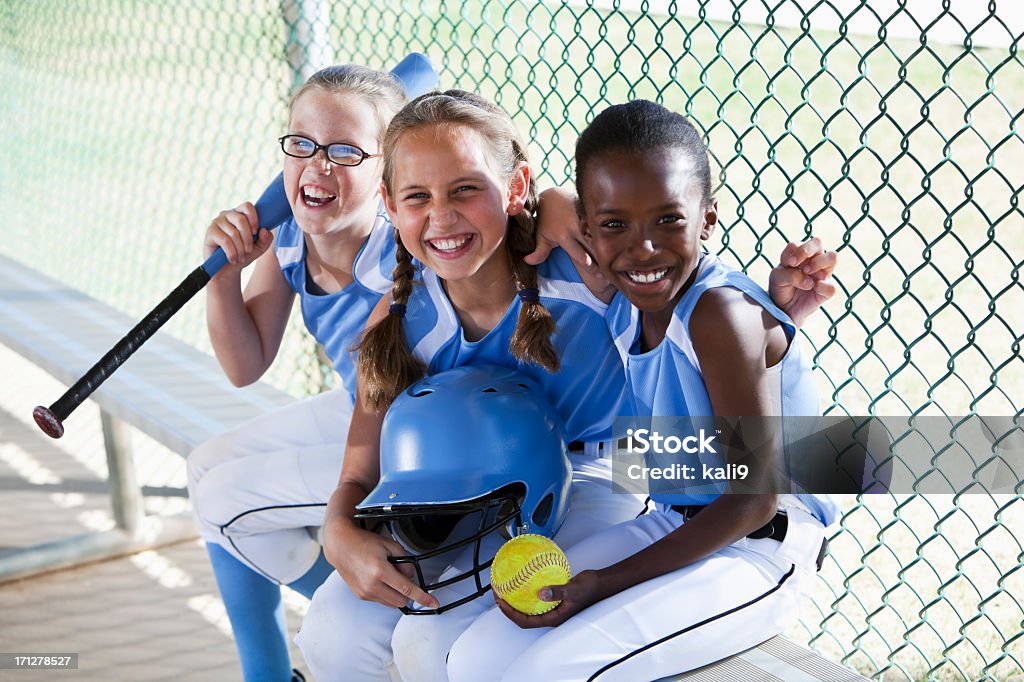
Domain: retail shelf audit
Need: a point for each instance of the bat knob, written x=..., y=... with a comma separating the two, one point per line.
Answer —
x=48, y=422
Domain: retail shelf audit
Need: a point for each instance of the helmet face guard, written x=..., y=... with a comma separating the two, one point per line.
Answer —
x=466, y=455
x=499, y=514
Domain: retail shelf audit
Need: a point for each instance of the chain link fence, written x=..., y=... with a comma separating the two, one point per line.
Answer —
x=890, y=129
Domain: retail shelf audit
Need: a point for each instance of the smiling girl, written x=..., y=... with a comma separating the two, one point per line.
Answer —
x=703, y=575
x=459, y=189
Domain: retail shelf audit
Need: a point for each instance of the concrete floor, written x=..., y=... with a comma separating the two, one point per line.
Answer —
x=150, y=616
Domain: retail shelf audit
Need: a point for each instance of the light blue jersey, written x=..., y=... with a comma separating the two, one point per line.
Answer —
x=666, y=381
x=337, y=320
x=588, y=389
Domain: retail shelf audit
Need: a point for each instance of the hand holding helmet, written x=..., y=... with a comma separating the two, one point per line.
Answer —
x=467, y=455
x=371, y=576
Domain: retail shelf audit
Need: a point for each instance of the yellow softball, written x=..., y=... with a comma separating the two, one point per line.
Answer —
x=525, y=564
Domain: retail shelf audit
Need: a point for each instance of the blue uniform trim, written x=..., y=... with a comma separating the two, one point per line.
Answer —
x=336, y=320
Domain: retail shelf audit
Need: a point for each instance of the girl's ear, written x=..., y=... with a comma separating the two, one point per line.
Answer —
x=519, y=189
x=389, y=203
x=710, y=219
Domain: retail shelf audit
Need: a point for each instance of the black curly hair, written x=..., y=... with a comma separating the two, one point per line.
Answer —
x=641, y=127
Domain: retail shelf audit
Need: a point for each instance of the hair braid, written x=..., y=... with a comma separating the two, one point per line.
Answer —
x=386, y=363
x=531, y=341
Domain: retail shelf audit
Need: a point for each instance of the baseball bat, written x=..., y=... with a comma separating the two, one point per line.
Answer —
x=417, y=76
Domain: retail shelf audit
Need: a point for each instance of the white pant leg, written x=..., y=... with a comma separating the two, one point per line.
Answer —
x=421, y=643
x=345, y=638
x=593, y=506
x=723, y=604
x=258, y=488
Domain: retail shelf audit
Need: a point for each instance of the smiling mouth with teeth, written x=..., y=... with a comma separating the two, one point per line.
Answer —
x=648, y=277
x=449, y=245
x=314, y=196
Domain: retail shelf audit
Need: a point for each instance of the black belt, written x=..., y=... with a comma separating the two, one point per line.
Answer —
x=774, y=529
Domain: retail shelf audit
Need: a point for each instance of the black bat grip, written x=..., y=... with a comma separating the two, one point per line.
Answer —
x=50, y=420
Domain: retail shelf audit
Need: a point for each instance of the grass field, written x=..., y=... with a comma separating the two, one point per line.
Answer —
x=127, y=126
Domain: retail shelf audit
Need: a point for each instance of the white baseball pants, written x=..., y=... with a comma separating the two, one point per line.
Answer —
x=726, y=603
x=260, y=490
x=345, y=638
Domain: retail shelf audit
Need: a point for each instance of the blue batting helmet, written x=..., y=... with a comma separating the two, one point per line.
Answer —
x=478, y=448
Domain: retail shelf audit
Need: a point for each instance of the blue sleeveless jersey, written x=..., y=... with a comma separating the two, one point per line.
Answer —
x=337, y=320
x=589, y=388
x=666, y=381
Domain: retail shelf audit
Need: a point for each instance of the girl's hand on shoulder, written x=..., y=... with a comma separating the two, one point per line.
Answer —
x=233, y=231
x=583, y=590
x=362, y=562
x=558, y=225
x=802, y=281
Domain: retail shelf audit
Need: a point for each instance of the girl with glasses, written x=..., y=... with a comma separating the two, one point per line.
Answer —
x=259, y=491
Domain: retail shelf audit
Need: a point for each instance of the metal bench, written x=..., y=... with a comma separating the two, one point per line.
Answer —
x=777, y=660
x=168, y=390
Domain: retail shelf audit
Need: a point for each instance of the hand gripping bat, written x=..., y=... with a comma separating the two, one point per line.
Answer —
x=417, y=75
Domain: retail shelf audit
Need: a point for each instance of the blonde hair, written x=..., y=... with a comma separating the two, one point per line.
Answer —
x=386, y=363
x=381, y=90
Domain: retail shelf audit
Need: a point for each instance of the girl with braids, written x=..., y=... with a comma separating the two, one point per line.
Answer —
x=702, y=575
x=459, y=190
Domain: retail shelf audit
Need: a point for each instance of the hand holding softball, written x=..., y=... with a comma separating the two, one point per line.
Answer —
x=564, y=601
x=534, y=587
x=525, y=565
